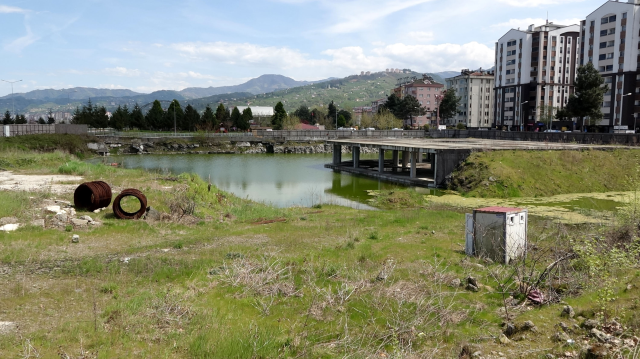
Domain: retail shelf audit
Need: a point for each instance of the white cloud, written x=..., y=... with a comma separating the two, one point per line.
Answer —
x=233, y=53
x=19, y=44
x=422, y=36
x=122, y=71
x=4, y=9
x=536, y=3
x=438, y=57
x=523, y=24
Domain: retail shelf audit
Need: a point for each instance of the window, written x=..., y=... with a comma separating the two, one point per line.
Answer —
x=606, y=104
x=602, y=57
x=511, y=43
x=623, y=28
x=593, y=23
x=612, y=18
x=511, y=52
x=609, y=68
x=610, y=55
x=604, y=20
x=568, y=40
x=511, y=62
x=608, y=80
x=610, y=43
x=603, y=45
x=603, y=32
x=624, y=15
x=561, y=39
x=612, y=31
x=621, y=53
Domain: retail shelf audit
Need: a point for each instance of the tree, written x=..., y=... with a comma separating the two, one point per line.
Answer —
x=101, y=120
x=347, y=116
x=589, y=95
x=449, y=104
x=318, y=116
x=366, y=121
x=290, y=122
x=7, y=120
x=410, y=107
x=546, y=114
x=332, y=113
x=174, y=117
x=385, y=120
x=191, y=118
x=562, y=114
x=393, y=104
x=51, y=120
x=136, y=118
x=222, y=115
x=155, y=116
x=245, y=119
x=279, y=116
x=304, y=114
x=120, y=118
x=20, y=120
x=208, y=119
x=41, y=121
x=235, y=117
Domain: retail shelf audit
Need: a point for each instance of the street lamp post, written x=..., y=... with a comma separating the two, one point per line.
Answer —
x=13, y=109
x=521, y=121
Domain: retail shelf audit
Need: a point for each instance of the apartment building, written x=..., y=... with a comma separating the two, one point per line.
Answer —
x=534, y=68
x=475, y=89
x=428, y=92
x=611, y=42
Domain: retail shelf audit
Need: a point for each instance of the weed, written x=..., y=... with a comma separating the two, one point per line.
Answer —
x=373, y=235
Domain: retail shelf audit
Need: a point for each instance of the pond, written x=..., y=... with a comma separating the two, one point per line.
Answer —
x=282, y=180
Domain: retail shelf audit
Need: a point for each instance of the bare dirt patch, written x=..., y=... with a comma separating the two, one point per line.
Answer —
x=50, y=183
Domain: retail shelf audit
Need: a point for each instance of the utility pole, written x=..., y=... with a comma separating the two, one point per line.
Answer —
x=13, y=109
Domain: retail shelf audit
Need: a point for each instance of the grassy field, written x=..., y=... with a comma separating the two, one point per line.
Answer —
x=504, y=174
x=321, y=282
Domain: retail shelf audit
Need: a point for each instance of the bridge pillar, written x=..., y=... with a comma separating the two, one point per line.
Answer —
x=414, y=160
x=337, y=154
x=355, y=154
x=405, y=159
x=394, y=161
x=381, y=161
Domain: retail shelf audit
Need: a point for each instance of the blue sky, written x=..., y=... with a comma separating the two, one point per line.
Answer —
x=152, y=45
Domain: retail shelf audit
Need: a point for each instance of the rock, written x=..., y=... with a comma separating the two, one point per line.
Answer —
x=492, y=179
x=79, y=222
x=38, y=223
x=71, y=212
x=243, y=144
x=597, y=351
x=8, y=327
x=9, y=227
x=62, y=217
x=560, y=337
x=75, y=239
x=152, y=214
x=8, y=220
x=528, y=325
x=476, y=354
x=550, y=356
x=97, y=210
x=600, y=336
x=565, y=328
x=472, y=281
x=503, y=339
x=53, y=209
x=63, y=203
x=87, y=218
x=590, y=324
x=472, y=288
x=456, y=282
x=510, y=330
x=568, y=312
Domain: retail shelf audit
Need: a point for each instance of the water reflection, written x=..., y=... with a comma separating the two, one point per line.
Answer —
x=282, y=180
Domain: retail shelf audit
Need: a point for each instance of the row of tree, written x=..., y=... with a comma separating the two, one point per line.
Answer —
x=157, y=118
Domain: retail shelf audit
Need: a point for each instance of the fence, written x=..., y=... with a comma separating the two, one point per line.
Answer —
x=137, y=134
x=567, y=137
x=36, y=129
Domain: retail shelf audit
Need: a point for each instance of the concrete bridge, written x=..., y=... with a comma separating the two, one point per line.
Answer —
x=426, y=162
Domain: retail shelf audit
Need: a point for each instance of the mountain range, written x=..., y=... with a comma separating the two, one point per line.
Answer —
x=261, y=89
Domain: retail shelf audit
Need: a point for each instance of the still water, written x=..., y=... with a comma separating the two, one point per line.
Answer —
x=283, y=180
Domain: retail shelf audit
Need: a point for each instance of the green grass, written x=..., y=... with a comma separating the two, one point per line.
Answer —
x=334, y=282
x=506, y=174
x=46, y=143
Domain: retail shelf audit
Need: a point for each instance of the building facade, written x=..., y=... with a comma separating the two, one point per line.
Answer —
x=427, y=91
x=611, y=42
x=475, y=90
x=535, y=71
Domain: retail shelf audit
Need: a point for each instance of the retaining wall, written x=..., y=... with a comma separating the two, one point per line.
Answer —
x=36, y=129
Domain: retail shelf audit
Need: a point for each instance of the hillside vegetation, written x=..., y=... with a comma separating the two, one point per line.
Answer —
x=545, y=173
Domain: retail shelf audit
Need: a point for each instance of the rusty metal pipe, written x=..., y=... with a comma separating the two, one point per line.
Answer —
x=92, y=195
x=130, y=192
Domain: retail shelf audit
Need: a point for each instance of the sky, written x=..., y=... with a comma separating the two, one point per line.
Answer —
x=146, y=45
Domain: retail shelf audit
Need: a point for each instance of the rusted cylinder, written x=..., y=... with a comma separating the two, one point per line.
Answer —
x=130, y=192
x=92, y=195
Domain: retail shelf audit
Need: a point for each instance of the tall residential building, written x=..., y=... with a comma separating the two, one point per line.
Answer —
x=425, y=91
x=475, y=89
x=534, y=68
x=611, y=42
